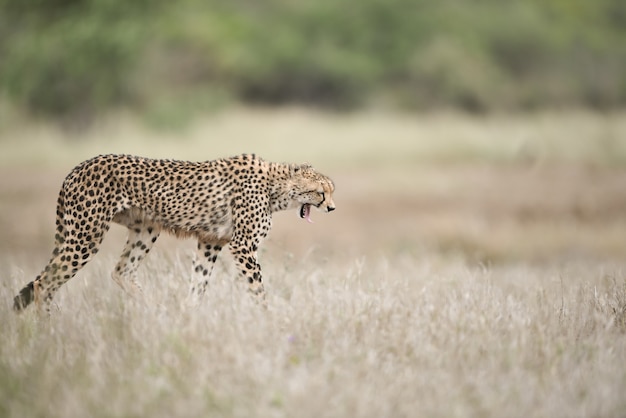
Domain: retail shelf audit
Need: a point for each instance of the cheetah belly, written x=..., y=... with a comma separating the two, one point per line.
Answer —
x=216, y=226
x=221, y=232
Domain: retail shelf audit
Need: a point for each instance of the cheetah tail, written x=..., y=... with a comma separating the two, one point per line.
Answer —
x=24, y=298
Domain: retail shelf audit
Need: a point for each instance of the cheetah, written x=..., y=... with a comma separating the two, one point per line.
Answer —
x=225, y=201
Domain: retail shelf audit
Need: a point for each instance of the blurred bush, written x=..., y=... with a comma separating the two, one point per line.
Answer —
x=71, y=57
x=79, y=57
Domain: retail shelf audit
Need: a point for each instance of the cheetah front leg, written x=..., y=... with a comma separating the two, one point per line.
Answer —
x=203, y=264
x=245, y=254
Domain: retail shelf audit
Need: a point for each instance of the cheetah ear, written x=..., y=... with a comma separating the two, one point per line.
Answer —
x=302, y=167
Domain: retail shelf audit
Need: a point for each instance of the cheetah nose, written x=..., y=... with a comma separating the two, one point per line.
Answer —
x=330, y=208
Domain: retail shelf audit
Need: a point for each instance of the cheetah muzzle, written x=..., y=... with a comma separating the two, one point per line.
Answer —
x=222, y=202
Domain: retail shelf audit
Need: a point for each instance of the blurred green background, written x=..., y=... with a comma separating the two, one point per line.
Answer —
x=76, y=59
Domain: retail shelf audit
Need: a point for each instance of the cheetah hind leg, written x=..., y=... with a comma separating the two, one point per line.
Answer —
x=66, y=261
x=141, y=238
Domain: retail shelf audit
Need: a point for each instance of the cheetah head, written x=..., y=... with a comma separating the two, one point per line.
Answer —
x=310, y=188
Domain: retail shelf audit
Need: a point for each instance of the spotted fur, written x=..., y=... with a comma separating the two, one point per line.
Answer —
x=226, y=201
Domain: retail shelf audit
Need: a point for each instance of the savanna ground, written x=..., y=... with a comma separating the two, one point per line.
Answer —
x=473, y=267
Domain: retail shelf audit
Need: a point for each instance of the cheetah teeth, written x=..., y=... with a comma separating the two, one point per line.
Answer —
x=305, y=212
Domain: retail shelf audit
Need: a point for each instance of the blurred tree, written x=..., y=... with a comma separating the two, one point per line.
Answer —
x=75, y=58
x=71, y=58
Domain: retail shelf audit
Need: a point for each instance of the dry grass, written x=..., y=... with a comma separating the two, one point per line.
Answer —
x=374, y=140
x=474, y=267
x=368, y=337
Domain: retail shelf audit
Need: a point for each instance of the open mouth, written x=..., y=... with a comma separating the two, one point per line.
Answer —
x=305, y=212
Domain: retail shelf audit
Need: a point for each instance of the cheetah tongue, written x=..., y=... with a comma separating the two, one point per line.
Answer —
x=305, y=213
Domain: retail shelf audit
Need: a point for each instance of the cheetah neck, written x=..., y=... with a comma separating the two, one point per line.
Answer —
x=280, y=176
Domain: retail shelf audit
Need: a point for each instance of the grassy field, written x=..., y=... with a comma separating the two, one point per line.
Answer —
x=473, y=267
